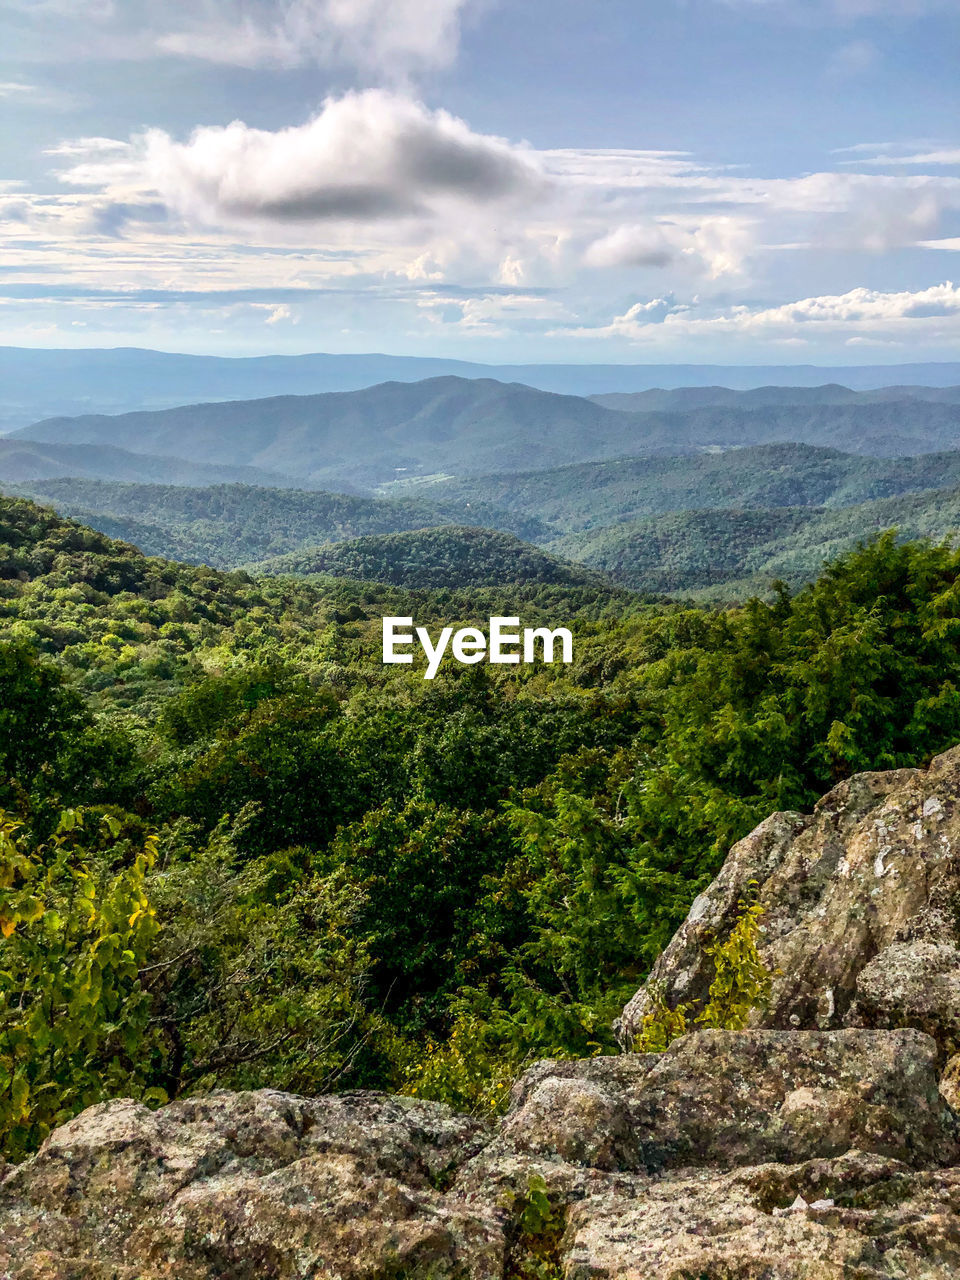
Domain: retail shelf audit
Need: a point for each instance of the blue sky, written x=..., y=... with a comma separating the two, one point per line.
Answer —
x=733, y=181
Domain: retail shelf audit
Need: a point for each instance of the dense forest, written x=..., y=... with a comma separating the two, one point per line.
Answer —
x=593, y=495
x=236, y=850
x=732, y=553
x=449, y=556
x=229, y=525
x=727, y=524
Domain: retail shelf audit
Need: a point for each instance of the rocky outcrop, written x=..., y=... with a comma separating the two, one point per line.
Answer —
x=653, y=1164
x=861, y=905
x=821, y=1144
x=253, y=1186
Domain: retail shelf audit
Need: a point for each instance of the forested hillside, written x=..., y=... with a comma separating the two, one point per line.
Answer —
x=746, y=549
x=446, y=557
x=594, y=494
x=367, y=437
x=301, y=869
x=26, y=460
x=230, y=525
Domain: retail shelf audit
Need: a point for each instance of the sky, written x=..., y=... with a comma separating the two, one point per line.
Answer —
x=649, y=181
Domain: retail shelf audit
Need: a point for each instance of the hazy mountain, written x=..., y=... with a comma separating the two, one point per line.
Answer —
x=23, y=460
x=461, y=426
x=443, y=424
x=683, y=399
x=38, y=384
x=228, y=525
x=742, y=550
x=594, y=494
x=450, y=556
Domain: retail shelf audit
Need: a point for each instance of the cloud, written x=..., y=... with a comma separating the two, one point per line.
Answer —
x=21, y=92
x=276, y=314
x=879, y=155
x=387, y=36
x=862, y=305
x=859, y=316
x=366, y=157
x=643, y=245
x=716, y=245
x=391, y=38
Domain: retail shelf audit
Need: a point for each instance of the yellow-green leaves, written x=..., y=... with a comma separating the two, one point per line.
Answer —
x=76, y=929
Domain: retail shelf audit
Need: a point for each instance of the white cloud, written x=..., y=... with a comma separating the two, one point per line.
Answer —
x=275, y=314
x=717, y=245
x=390, y=38
x=366, y=157
x=387, y=36
x=861, y=306
x=858, y=316
x=946, y=156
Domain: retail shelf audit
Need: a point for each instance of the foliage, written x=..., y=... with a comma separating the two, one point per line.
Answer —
x=468, y=1070
x=232, y=524
x=365, y=879
x=76, y=925
x=452, y=556
x=257, y=979
x=539, y=1222
x=741, y=984
x=660, y=1025
x=742, y=981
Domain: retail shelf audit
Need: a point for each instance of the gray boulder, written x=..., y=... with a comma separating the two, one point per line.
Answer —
x=875, y=867
x=724, y=1099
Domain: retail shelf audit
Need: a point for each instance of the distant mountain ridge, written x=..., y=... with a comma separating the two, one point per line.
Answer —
x=473, y=426
x=369, y=436
x=683, y=399
x=39, y=383
x=23, y=460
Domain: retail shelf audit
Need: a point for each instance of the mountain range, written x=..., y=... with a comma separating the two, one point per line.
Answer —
x=228, y=525
x=475, y=482
x=459, y=427
x=594, y=494
x=36, y=383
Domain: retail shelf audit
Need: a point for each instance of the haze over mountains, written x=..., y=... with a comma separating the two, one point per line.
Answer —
x=37, y=384
x=475, y=481
x=458, y=426
x=27, y=460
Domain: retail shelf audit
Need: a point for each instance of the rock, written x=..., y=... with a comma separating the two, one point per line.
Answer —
x=950, y=1083
x=254, y=1186
x=883, y=1223
x=723, y=1099
x=912, y=984
x=876, y=867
